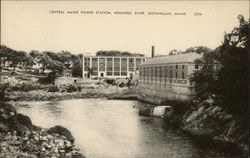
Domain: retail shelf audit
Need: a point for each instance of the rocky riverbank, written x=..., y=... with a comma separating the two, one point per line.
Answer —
x=43, y=95
x=20, y=138
x=208, y=125
x=30, y=91
x=213, y=124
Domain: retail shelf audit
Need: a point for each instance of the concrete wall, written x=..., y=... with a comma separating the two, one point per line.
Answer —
x=168, y=89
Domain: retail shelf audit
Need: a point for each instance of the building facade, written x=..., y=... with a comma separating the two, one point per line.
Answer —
x=167, y=77
x=111, y=66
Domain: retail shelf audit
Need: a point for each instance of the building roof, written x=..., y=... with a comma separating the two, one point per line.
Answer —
x=179, y=58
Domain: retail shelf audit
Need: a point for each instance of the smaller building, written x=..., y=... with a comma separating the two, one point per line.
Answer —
x=167, y=77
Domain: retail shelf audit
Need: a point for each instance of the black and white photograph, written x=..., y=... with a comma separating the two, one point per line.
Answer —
x=124, y=79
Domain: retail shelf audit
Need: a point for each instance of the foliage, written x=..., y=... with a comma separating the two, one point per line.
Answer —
x=196, y=49
x=73, y=88
x=77, y=68
x=26, y=86
x=4, y=88
x=116, y=53
x=232, y=78
x=228, y=85
x=55, y=66
x=53, y=88
x=205, y=79
x=174, y=52
x=50, y=79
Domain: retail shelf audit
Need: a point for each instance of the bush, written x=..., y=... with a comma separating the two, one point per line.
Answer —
x=73, y=88
x=26, y=87
x=50, y=79
x=53, y=88
x=4, y=88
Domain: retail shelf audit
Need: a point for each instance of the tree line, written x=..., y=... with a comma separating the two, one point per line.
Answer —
x=55, y=61
x=116, y=53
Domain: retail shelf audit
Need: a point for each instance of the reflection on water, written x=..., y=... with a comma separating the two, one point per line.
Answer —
x=113, y=129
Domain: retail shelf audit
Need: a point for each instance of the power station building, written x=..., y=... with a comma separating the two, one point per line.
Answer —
x=167, y=77
x=111, y=66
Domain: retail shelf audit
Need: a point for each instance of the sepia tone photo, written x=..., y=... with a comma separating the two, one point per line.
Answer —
x=124, y=79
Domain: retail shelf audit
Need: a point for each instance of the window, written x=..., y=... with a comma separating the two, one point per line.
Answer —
x=196, y=66
x=116, y=73
x=124, y=73
x=109, y=73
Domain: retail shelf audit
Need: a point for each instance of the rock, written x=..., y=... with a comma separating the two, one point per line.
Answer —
x=68, y=144
x=25, y=138
x=62, y=131
x=68, y=155
x=145, y=111
x=42, y=148
x=3, y=127
x=195, y=114
x=20, y=123
x=62, y=151
x=227, y=117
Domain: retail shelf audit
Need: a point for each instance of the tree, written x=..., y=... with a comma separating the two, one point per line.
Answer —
x=28, y=61
x=77, y=68
x=197, y=49
x=205, y=79
x=229, y=87
x=174, y=52
x=55, y=66
x=232, y=78
x=17, y=57
x=6, y=54
x=116, y=53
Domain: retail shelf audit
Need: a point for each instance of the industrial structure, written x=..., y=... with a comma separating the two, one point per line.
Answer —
x=167, y=77
x=111, y=66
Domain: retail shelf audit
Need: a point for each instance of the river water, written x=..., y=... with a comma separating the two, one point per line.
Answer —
x=113, y=129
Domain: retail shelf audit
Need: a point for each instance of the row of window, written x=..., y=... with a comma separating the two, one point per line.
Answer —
x=110, y=73
x=154, y=72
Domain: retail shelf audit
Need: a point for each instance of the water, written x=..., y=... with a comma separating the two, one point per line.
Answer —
x=113, y=129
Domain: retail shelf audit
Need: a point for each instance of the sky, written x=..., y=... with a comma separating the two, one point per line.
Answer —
x=30, y=25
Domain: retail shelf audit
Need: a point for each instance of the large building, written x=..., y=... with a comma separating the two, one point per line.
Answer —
x=111, y=66
x=167, y=77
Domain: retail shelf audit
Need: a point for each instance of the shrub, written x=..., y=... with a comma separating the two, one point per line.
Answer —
x=53, y=88
x=50, y=79
x=27, y=86
x=4, y=88
x=72, y=88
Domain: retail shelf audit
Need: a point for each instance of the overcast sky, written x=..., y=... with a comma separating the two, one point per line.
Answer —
x=28, y=25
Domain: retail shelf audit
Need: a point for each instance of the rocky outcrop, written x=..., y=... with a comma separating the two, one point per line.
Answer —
x=20, y=138
x=62, y=131
x=212, y=123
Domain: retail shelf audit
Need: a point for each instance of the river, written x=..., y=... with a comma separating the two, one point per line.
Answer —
x=113, y=129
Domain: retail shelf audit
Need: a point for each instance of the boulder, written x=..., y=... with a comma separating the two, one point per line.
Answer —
x=19, y=123
x=62, y=131
x=146, y=111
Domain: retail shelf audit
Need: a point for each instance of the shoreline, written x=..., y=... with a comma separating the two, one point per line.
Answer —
x=19, y=137
x=193, y=128
x=208, y=125
x=43, y=95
